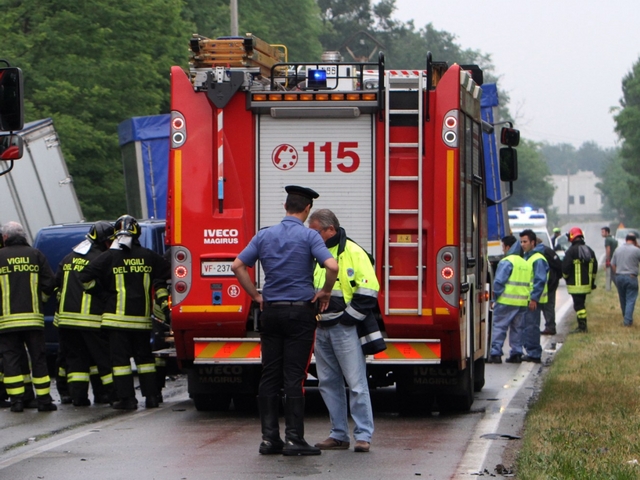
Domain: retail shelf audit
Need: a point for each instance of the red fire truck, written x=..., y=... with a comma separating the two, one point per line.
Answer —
x=397, y=155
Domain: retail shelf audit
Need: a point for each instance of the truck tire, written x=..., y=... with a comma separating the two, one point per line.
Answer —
x=212, y=403
x=478, y=375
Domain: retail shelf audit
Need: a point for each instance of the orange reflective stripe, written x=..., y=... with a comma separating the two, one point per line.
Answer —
x=409, y=351
x=227, y=350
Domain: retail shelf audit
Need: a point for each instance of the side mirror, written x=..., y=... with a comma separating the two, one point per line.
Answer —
x=510, y=137
x=11, y=99
x=508, y=164
x=11, y=147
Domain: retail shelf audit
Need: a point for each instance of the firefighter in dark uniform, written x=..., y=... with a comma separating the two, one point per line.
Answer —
x=26, y=281
x=579, y=269
x=79, y=317
x=128, y=274
x=288, y=252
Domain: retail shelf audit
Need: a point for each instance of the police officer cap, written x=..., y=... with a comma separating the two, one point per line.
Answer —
x=305, y=192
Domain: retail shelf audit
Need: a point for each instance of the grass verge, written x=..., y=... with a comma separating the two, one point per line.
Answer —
x=585, y=423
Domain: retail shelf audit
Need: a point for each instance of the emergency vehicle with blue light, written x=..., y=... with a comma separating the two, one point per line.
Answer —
x=396, y=154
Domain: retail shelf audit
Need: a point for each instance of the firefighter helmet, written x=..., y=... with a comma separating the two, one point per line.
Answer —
x=101, y=232
x=574, y=233
x=556, y=230
x=127, y=225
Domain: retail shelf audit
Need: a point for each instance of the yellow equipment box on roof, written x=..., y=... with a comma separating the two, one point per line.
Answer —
x=248, y=51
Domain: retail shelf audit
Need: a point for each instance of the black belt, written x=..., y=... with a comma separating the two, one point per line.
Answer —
x=327, y=323
x=290, y=304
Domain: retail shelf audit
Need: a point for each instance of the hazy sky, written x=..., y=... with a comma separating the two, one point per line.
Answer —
x=561, y=61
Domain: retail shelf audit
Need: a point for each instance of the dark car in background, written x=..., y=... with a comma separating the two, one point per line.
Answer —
x=56, y=241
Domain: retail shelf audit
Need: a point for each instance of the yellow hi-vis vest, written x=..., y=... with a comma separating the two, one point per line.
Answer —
x=545, y=292
x=518, y=287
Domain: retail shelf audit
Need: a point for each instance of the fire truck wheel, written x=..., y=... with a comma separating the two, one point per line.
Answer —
x=212, y=403
x=461, y=401
x=478, y=375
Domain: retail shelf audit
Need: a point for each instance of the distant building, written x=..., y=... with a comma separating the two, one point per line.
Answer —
x=577, y=194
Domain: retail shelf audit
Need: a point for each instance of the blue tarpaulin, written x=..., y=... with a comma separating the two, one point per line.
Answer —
x=496, y=219
x=151, y=135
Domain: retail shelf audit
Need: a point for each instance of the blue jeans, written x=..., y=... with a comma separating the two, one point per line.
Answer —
x=507, y=317
x=531, y=332
x=628, y=293
x=339, y=357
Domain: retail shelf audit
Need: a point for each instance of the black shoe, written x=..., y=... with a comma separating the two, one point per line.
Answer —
x=81, y=402
x=494, y=359
x=271, y=447
x=517, y=358
x=298, y=447
x=126, y=404
x=527, y=358
x=47, y=407
x=548, y=331
x=151, y=402
x=66, y=400
x=17, y=407
x=4, y=403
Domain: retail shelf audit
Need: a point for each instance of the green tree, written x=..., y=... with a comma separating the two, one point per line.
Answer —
x=89, y=65
x=617, y=198
x=564, y=158
x=627, y=121
x=533, y=186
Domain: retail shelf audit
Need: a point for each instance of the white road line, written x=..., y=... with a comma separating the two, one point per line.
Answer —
x=476, y=453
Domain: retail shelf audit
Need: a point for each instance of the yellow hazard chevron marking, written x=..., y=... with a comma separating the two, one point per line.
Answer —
x=409, y=351
x=211, y=309
x=228, y=349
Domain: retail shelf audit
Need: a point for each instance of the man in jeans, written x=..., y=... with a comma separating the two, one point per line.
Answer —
x=625, y=265
x=338, y=351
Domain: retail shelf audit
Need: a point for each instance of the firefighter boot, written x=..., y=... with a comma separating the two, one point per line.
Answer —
x=271, y=441
x=79, y=392
x=17, y=403
x=294, y=442
x=582, y=326
x=45, y=403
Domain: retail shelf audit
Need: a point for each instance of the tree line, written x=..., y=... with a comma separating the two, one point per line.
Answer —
x=90, y=65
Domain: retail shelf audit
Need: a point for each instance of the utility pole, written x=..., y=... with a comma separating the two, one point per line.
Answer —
x=233, y=6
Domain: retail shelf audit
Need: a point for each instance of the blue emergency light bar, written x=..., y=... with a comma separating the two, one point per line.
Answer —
x=316, y=79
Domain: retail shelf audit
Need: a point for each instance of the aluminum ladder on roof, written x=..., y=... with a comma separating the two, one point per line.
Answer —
x=413, y=82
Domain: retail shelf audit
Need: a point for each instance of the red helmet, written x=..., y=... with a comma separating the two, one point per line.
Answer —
x=574, y=233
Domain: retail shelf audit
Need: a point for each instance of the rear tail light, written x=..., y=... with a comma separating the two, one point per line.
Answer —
x=181, y=273
x=448, y=277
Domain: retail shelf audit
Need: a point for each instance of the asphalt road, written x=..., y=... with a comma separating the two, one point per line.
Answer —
x=178, y=442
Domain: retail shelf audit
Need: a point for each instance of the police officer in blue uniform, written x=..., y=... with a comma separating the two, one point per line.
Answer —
x=288, y=253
